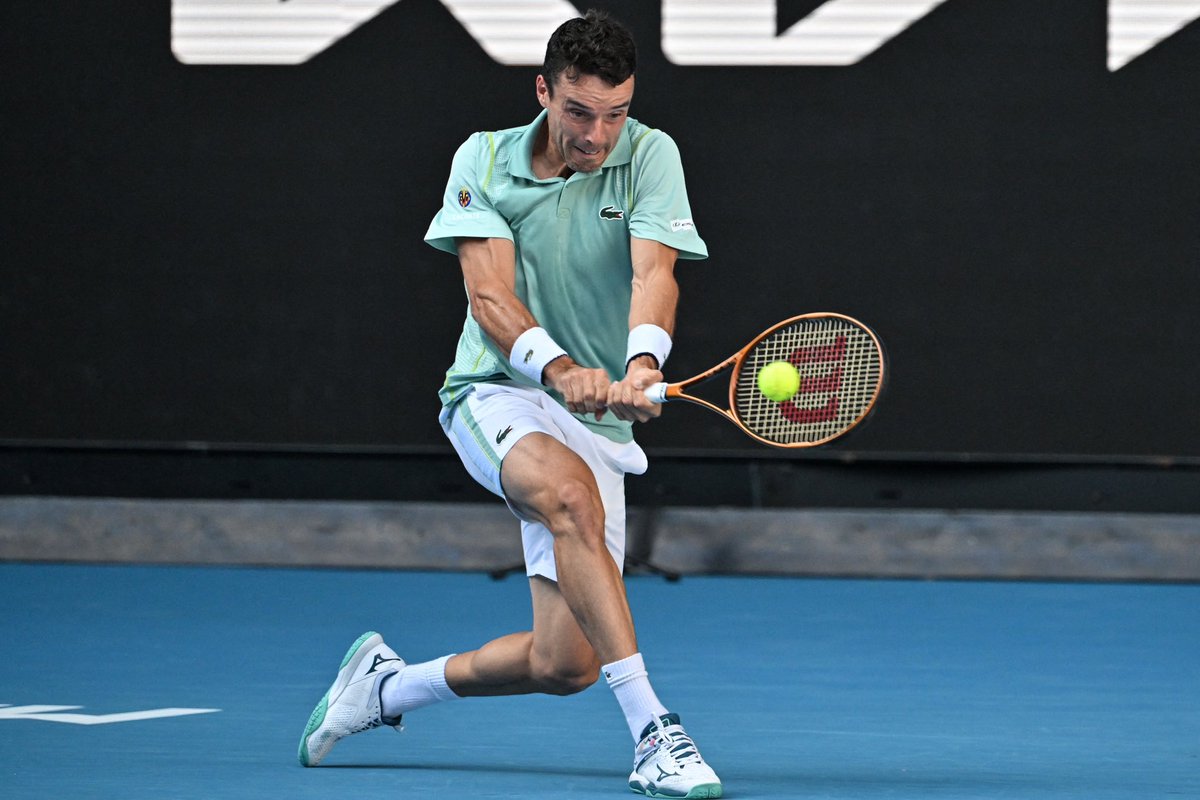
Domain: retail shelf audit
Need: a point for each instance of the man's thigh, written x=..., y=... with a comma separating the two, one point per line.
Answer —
x=541, y=474
x=487, y=425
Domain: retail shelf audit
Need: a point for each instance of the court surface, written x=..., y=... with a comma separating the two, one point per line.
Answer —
x=792, y=688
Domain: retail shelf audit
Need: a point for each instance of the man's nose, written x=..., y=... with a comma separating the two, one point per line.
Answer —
x=594, y=130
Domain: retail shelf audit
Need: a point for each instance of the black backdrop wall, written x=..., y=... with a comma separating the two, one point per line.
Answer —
x=232, y=254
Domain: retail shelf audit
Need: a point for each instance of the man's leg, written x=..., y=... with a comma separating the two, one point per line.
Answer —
x=579, y=622
x=554, y=658
x=547, y=482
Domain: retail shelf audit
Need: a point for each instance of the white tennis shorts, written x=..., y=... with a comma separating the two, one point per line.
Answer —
x=485, y=424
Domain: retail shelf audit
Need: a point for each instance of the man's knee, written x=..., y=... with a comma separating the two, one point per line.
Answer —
x=578, y=508
x=566, y=677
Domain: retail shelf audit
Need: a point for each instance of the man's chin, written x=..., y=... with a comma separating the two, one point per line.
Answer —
x=585, y=163
x=587, y=166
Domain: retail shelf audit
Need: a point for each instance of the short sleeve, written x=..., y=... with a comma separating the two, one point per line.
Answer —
x=660, y=209
x=465, y=209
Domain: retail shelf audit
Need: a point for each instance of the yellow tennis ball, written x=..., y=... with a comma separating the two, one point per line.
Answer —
x=779, y=381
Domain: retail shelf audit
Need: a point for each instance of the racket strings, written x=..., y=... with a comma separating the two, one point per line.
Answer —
x=840, y=368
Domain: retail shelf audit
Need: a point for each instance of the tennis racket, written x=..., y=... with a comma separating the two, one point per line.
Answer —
x=841, y=368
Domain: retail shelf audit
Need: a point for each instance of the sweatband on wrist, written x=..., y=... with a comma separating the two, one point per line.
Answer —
x=648, y=340
x=532, y=351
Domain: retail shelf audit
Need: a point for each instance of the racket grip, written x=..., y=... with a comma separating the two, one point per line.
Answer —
x=657, y=393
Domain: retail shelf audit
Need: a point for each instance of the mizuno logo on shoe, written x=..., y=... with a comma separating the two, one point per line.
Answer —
x=662, y=773
x=380, y=660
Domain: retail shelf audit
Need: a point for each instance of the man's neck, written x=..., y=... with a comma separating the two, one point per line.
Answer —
x=544, y=161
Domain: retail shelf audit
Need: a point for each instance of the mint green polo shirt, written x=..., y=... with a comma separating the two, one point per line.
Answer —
x=571, y=237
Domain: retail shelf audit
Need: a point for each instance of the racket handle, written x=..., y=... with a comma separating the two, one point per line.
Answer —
x=657, y=393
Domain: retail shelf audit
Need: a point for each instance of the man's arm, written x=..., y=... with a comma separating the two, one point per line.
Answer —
x=655, y=292
x=654, y=299
x=490, y=271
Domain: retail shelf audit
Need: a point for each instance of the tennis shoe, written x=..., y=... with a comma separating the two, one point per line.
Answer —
x=352, y=703
x=666, y=763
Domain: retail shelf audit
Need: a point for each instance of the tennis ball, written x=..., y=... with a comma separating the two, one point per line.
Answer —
x=778, y=381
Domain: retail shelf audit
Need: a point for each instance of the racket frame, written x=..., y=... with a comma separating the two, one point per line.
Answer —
x=664, y=392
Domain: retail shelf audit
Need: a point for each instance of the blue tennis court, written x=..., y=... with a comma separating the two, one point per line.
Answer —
x=793, y=688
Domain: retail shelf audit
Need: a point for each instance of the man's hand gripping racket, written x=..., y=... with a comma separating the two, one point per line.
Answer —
x=841, y=368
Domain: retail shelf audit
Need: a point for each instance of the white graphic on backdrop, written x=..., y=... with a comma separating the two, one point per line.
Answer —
x=1135, y=26
x=694, y=32
x=840, y=32
x=291, y=32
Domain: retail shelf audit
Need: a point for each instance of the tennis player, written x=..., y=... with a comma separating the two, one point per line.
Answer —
x=567, y=231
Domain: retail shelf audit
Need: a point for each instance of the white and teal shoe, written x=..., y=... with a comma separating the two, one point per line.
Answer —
x=666, y=763
x=352, y=703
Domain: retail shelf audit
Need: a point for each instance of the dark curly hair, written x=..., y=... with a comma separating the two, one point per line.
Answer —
x=594, y=44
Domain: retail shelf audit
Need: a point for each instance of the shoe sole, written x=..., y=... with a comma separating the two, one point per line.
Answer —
x=703, y=790
x=317, y=718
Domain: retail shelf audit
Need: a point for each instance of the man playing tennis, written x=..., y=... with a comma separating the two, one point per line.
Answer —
x=567, y=231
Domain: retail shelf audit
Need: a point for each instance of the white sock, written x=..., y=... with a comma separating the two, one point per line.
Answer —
x=629, y=682
x=415, y=686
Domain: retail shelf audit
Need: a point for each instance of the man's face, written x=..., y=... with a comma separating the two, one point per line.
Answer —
x=585, y=119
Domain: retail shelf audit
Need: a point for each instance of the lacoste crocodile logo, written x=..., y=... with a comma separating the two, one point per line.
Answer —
x=502, y=435
x=611, y=212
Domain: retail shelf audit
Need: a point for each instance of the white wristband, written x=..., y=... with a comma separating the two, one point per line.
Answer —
x=532, y=351
x=648, y=340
